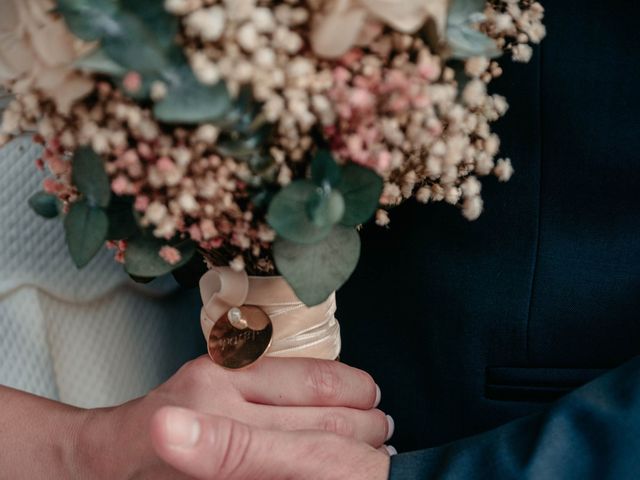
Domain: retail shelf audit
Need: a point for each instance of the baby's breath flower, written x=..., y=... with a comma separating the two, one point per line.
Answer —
x=504, y=170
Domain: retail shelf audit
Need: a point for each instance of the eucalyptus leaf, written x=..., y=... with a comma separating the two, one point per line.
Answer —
x=90, y=177
x=190, y=102
x=463, y=37
x=86, y=231
x=142, y=280
x=461, y=10
x=89, y=20
x=260, y=163
x=326, y=207
x=242, y=114
x=45, y=205
x=245, y=147
x=142, y=257
x=138, y=36
x=361, y=188
x=134, y=46
x=263, y=171
x=315, y=271
x=263, y=198
x=466, y=42
x=99, y=62
x=324, y=169
x=461, y=76
x=289, y=217
x=152, y=13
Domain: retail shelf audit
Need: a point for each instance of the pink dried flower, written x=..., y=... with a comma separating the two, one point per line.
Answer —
x=145, y=151
x=195, y=233
x=52, y=186
x=166, y=165
x=130, y=157
x=362, y=99
x=120, y=185
x=208, y=229
x=141, y=203
x=170, y=255
x=132, y=81
x=120, y=246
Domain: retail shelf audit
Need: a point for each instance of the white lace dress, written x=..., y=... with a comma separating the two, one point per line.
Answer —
x=91, y=337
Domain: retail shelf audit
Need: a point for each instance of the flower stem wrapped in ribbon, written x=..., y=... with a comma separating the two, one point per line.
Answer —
x=246, y=317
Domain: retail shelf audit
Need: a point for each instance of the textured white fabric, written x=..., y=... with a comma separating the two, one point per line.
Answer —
x=91, y=337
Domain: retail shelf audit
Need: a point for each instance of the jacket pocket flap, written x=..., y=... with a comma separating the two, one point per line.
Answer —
x=535, y=384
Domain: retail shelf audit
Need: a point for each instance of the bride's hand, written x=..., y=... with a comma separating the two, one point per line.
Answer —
x=274, y=394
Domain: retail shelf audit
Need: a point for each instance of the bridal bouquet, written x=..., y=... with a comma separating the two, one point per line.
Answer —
x=253, y=137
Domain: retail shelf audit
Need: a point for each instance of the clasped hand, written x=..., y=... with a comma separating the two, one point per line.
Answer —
x=279, y=419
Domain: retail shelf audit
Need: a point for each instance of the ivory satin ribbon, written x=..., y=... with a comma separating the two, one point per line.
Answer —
x=298, y=331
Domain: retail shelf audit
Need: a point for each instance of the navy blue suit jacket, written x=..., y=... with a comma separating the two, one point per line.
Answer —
x=477, y=332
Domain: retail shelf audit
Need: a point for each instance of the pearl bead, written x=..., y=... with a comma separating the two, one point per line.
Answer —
x=236, y=319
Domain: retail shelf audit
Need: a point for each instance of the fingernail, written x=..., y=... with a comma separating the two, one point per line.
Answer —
x=391, y=450
x=182, y=428
x=391, y=427
x=378, y=397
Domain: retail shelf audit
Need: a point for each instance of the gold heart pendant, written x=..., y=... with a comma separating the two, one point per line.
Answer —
x=240, y=337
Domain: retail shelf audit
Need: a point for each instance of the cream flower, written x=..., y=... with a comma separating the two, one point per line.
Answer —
x=341, y=23
x=37, y=52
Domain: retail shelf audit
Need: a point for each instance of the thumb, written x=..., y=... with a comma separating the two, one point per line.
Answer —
x=207, y=447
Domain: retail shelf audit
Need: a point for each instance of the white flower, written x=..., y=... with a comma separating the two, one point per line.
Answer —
x=339, y=26
x=472, y=208
x=38, y=52
x=237, y=264
x=522, y=53
x=208, y=23
x=504, y=170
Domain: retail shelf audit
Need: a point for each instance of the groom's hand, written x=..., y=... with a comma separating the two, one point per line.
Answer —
x=274, y=394
x=207, y=447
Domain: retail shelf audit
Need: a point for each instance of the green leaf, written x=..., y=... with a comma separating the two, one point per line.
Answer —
x=122, y=221
x=142, y=257
x=326, y=207
x=139, y=36
x=315, y=271
x=463, y=37
x=245, y=147
x=89, y=20
x=190, y=102
x=461, y=10
x=142, y=280
x=99, y=62
x=163, y=25
x=90, y=178
x=289, y=217
x=260, y=163
x=134, y=46
x=242, y=114
x=86, y=231
x=361, y=188
x=466, y=42
x=324, y=169
x=45, y=205
x=263, y=198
